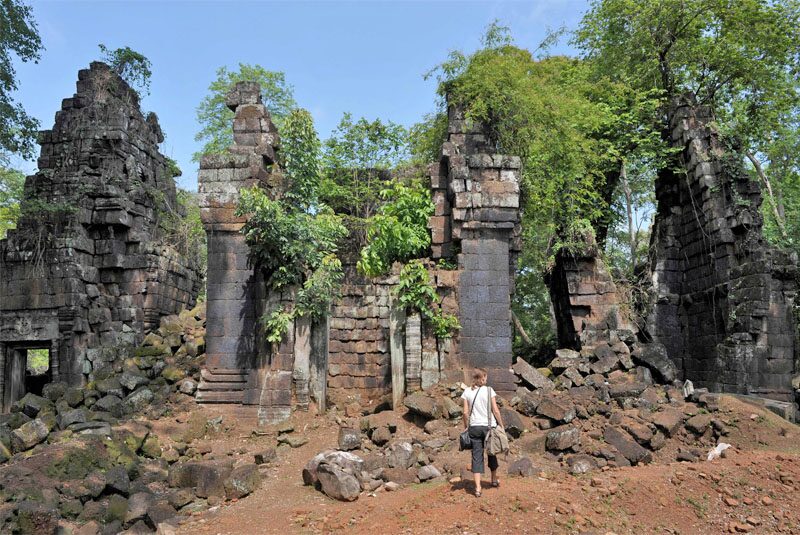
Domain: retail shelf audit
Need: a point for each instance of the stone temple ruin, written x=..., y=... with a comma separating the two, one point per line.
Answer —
x=720, y=306
x=88, y=268
x=366, y=349
x=93, y=270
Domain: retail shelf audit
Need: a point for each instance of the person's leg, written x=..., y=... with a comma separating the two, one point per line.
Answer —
x=477, y=435
x=493, y=465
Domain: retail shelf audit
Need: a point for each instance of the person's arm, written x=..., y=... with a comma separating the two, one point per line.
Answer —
x=496, y=412
x=465, y=412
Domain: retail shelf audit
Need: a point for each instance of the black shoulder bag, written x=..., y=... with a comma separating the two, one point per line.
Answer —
x=464, y=441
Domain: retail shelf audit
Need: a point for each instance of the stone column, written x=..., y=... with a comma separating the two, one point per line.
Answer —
x=235, y=288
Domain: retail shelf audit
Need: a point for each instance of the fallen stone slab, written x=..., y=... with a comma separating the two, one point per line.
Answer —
x=699, y=423
x=28, y=435
x=532, y=376
x=565, y=358
x=668, y=420
x=563, y=438
x=423, y=404
x=627, y=447
x=556, y=409
x=243, y=481
x=522, y=467
x=428, y=472
x=349, y=439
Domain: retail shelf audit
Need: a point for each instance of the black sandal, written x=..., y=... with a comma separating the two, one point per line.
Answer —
x=477, y=494
x=496, y=484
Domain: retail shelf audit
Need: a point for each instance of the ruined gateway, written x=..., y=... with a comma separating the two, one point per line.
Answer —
x=720, y=312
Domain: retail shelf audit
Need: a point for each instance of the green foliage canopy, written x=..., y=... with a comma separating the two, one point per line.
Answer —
x=18, y=35
x=300, y=157
x=215, y=118
x=355, y=158
x=12, y=184
x=399, y=231
x=131, y=66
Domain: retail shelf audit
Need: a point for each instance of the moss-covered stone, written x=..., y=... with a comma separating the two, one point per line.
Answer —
x=151, y=447
x=117, y=509
x=173, y=374
x=150, y=351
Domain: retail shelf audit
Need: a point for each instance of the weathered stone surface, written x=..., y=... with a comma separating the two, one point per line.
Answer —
x=117, y=480
x=381, y=435
x=138, y=400
x=138, y=504
x=565, y=358
x=132, y=381
x=244, y=480
x=207, y=477
x=655, y=356
x=556, y=409
x=337, y=482
x=581, y=463
x=428, y=472
x=31, y=405
x=628, y=447
x=28, y=435
x=563, y=438
x=349, y=439
x=532, y=376
x=400, y=455
x=423, y=404
x=514, y=425
x=699, y=423
x=668, y=420
x=522, y=467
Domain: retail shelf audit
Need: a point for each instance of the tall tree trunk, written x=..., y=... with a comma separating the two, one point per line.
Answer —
x=626, y=188
x=776, y=210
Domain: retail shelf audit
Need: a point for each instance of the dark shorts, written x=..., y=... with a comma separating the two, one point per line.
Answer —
x=477, y=433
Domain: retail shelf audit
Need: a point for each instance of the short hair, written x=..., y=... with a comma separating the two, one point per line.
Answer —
x=478, y=374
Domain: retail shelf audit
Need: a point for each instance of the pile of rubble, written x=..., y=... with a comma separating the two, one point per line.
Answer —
x=166, y=364
x=586, y=411
x=602, y=407
x=83, y=457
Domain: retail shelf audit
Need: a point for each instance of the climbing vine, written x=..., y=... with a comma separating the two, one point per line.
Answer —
x=415, y=292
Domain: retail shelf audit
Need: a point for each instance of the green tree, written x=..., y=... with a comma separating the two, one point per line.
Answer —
x=215, y=118
x=12, y=183
x=20, y=36
x=739, y=58
x=131, y=66
x=300, y=158
x=357, y=158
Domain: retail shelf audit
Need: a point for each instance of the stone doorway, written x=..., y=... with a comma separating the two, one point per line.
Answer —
x=28, y=368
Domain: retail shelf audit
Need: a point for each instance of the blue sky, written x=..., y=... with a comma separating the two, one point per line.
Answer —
x=367, y=58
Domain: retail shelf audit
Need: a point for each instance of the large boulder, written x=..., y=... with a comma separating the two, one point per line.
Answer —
x=207, y=477
x=563, y=438
x=423, y=405
x=349, y=439
x=400, y=455
x=349, y=462
x=31, y=405
x=514, y=425
x=556, y=409
x=338, y=483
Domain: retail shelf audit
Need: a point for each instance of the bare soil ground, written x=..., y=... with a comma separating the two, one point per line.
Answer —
x=754, y=489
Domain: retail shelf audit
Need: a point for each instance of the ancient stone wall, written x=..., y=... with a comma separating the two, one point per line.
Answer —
x=359, y=360
x=89, y=267
x=722, y=296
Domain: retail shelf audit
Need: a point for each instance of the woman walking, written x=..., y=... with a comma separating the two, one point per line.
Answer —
x=477, y=418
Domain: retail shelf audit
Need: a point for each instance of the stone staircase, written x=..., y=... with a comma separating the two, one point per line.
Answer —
x=222, y=385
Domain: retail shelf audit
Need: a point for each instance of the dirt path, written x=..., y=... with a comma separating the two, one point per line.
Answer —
x=749, y=491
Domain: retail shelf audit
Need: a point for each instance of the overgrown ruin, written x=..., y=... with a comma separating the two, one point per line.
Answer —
x=90, y=267
x=367, y=349
x=721, y=298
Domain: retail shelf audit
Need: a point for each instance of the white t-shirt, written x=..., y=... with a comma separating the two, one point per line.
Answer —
x=480, y=414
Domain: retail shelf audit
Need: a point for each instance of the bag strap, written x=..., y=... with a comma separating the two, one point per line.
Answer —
x=472, y=405
x=489, y=407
